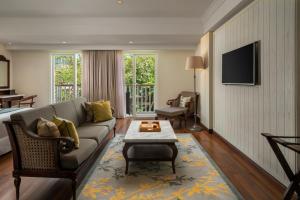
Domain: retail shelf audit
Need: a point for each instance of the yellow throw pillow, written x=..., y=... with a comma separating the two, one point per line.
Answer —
x=89, y=110
x=46, y=128
x=67, y=129
x=102, y=111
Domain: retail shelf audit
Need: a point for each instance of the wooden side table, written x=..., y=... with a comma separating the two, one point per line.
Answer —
x=274, y=142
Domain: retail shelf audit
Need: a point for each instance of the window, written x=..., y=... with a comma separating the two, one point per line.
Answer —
x=140, y=83
x=66, y=77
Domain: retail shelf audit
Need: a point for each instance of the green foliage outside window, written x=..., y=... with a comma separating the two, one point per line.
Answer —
x=145, y=69
x=64, y=76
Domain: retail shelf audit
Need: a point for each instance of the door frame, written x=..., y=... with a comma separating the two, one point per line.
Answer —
x=136, y=53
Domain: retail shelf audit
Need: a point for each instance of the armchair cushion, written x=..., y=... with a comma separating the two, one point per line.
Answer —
x=73, y=159
x=92, y=132
x=171, y=111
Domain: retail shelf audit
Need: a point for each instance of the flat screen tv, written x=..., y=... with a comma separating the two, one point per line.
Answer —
x=240, y=66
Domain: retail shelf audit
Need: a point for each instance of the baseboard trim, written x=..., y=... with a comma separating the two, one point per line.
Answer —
x=245, y=157
x=207, y=129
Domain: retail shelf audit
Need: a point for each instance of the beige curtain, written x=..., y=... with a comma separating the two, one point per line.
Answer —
x=103, y=78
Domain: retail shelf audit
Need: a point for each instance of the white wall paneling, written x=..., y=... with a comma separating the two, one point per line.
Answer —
x=241, y=113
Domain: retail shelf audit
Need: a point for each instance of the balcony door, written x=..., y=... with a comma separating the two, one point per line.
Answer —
x=66, y=77
x=140, y=80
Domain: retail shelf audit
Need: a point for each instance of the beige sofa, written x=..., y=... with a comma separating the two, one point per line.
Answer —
x=55, y=157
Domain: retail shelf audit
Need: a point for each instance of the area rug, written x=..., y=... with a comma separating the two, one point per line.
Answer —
x=197, y=177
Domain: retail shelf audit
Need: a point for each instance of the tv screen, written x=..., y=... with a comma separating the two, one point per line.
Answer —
x=240, y=66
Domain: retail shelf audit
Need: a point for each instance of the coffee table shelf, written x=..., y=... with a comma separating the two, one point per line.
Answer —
x=150, y=146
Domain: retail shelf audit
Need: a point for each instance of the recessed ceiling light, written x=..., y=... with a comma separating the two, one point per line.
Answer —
x=130, y=42
x=64, y=42
x=120, y=2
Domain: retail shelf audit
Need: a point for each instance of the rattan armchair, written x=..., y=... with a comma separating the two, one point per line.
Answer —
x=190, y=105
x=40, y=155
x=35, y=156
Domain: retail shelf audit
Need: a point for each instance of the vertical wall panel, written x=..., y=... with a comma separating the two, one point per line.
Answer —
x=241, y=113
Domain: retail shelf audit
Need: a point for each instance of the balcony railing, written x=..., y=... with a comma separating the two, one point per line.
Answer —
x=144, y=98
x=66, y=92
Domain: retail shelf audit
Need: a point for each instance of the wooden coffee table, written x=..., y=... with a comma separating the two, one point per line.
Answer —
x=150, y=146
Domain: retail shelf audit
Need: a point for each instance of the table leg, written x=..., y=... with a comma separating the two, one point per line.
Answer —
x=175, y=152
x=125, y=149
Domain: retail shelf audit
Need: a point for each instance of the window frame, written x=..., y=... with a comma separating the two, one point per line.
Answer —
x=52, y=71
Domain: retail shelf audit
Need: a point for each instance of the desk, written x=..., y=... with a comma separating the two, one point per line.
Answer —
x=6, y=100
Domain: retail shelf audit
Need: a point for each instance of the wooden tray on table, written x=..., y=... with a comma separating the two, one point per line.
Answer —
x=150, y=126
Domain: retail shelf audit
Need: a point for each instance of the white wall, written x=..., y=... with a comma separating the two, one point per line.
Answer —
x=31, y=74
x=205, y=80
x=241, y=113
x=7, y=54
x=172, y=76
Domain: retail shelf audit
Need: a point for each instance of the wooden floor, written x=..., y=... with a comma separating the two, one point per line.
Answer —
x=251, y=181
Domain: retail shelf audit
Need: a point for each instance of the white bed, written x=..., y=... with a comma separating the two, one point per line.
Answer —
x=4, y=141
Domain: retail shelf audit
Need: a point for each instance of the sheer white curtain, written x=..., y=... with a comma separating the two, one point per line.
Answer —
x=103, y=78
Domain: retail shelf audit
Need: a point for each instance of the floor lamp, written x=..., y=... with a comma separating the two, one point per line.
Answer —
x=194, y=62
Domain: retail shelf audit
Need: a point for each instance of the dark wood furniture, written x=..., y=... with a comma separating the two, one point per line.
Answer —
x=175, y=112
x=5, y=70
x=153, y=151
x=6, y=100
x=274, y=142
x=36, y=156
x=26, y=101
x=150, y=146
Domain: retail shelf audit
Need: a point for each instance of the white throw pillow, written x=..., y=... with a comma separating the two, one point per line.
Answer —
x=184, y=101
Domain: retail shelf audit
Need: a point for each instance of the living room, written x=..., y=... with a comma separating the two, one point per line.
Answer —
x=134, y=99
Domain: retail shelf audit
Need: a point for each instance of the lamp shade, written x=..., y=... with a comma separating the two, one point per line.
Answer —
x=194, y=62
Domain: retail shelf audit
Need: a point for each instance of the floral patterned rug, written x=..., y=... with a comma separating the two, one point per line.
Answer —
x=197, y=177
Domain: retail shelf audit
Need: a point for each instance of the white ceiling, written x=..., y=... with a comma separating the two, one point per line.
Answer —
x=104, y=24
x=103, y=8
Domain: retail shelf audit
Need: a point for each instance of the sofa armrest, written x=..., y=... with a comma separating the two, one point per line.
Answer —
x=34, y=152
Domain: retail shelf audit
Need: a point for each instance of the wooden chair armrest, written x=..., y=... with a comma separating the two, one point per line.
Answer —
x=28, y=143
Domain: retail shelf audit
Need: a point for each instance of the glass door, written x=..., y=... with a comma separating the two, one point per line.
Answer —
x=140, y=83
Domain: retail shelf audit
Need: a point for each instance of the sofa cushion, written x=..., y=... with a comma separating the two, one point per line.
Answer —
x=79, y=106
x=67, y=111
x=73, y=159
x=30, y=117
x=93, y=132
x=109, y=123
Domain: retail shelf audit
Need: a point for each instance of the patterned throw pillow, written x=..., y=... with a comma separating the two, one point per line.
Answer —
x=46, y=128
x=102, y=111
x=184, y=101
x=67, y=129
